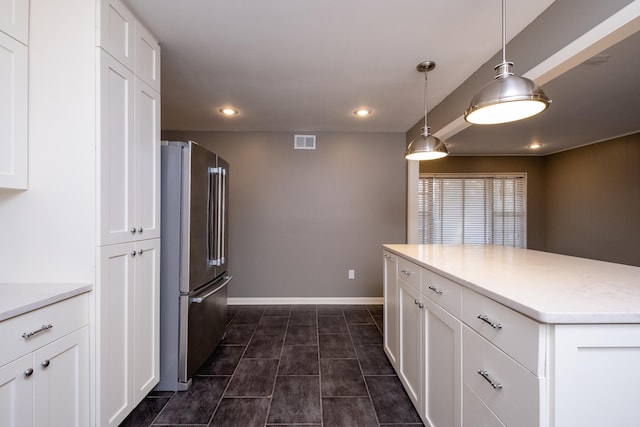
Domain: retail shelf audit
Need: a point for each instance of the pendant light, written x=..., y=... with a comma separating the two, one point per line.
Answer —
x=507, y=98
x=426, y=146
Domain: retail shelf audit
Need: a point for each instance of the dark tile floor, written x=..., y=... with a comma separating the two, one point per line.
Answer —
x=300, y=365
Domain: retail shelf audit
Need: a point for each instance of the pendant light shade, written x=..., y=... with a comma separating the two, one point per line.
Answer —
x=426, y=146
x=507, y=98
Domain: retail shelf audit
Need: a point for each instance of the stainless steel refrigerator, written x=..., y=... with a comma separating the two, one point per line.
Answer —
x=194, y=258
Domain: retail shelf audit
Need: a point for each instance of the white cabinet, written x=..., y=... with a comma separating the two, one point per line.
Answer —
x=128, y=348
x=411, y=341
x=443, y=367
x=14, y=19
x=14, y=57
x=128, y=226
x=48, y=385
x=430, y=343
x=129, y=189
x=391, y=312
x=596, y=375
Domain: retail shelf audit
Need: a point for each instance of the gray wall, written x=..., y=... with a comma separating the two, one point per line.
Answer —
x=593, y=201
x=300, y=219
x=534, y=168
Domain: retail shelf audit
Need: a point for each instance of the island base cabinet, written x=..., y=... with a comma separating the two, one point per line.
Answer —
x=391, y=326
x=411, y=358
x=443, y=361
x=596, y=375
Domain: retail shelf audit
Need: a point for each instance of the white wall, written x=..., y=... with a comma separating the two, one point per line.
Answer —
x=47, y=232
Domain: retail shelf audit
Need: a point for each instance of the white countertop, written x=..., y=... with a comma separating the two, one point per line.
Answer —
x=547, y=287
x=20, y=298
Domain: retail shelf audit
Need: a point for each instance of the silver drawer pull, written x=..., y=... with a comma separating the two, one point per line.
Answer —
x=387, y=256
x=27, y=373
x=436, y=290
x=485, y=375
x=485, y=319
x=408, y=273
x=27, y=335
x=46, y=363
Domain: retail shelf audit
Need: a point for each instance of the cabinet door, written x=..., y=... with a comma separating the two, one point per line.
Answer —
x=147, y=61
x=391, y=319
x=146, y=162
x=13, y=112
x=117, y=26
x=115, y=345
x=146, y=324
x=595, y=375
x=443, y=367
x=61, y=381
x=116, y=152
x=411, y=357
x=14, y=19
x=16, y=393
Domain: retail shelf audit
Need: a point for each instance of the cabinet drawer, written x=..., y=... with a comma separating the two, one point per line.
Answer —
x=442, y=291
x=409, y=272
x=512, y=392
x=475, y=413
x=64, y=317
x=517, y=335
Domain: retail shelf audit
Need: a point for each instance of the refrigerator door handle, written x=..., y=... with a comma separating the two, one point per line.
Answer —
x=199, y=300
x=223, y=215
x=213, y=216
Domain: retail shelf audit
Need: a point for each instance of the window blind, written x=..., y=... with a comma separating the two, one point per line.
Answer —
x=472, y=209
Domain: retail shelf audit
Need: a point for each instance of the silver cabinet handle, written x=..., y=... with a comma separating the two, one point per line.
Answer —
x=133, y=230
x=27, y=335
x=436, y=290
x=45, y=364
x=485, y=375
x=199, y=300
x=140, y=252
x=408, y=273
x=140, y=230
x=415, y=301
x=387, y=256
x=421, y=305
x=485, y=319
x=28, y=372
x=133, y=252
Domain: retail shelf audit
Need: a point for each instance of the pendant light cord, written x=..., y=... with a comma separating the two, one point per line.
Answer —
x=425, y=101
x=504, y=30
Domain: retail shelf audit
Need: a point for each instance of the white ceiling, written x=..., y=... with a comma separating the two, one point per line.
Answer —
x=305, y=65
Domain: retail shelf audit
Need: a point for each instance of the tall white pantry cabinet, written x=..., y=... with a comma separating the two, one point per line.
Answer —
x=128, y=225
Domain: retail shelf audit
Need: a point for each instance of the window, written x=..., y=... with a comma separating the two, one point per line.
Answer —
x=472, y=209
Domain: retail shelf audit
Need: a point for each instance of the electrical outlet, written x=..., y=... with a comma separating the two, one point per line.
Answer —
x=352, y=274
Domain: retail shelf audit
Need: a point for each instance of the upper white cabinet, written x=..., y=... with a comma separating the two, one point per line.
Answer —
x=116, y=34
x=147, y=57
x=127, y=40
x=129, y=192
x=14, y=59
x=14, y=19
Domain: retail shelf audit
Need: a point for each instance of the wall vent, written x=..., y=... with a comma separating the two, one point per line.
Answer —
x=304, y=142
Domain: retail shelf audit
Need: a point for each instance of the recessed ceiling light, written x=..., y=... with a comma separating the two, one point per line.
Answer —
x=535, y=145
x=363, y=112
x=228, y=111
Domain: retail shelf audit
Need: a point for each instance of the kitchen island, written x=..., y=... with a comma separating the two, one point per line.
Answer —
x=493, y=335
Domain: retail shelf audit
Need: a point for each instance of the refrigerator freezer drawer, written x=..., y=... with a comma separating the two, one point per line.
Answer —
x=203, y=321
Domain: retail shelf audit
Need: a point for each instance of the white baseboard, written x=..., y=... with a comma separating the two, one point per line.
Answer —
x=296, y=300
